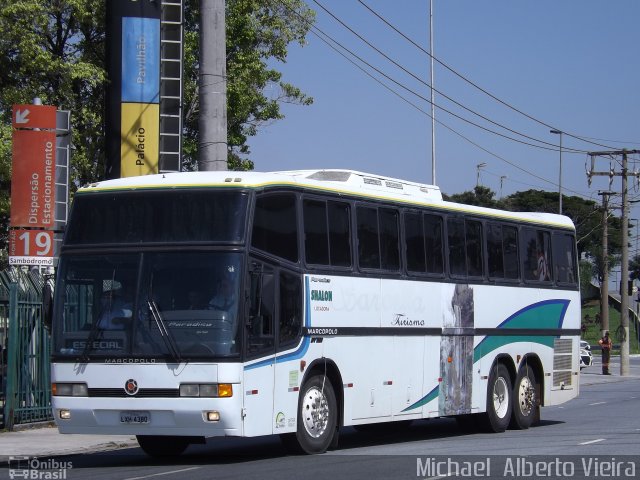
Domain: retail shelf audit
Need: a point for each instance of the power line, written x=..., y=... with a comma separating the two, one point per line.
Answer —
x=417, y=78
x=462, y=77
x=320, y=34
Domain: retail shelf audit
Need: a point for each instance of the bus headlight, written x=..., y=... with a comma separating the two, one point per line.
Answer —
x=69, y=390
x=208, y=390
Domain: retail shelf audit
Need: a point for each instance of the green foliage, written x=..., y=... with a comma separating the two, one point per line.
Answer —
x=56, y=51
x=586, y=275
x=480, y=196
x=634, y=268
x=258, y=33
x=53, y=50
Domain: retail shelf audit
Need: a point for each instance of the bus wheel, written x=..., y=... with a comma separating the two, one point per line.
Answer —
x=525, y=401
x=499, y=402
x=162, y=446
x=317, y=415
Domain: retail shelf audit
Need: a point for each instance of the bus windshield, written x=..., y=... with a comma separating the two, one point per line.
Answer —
x=172, y=305
x=174, y=216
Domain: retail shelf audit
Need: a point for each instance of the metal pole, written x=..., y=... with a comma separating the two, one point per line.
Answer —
x=478, y=167
x=624, y=294
x=212, y=86
x=604, y=285
x=560, y=175
x=558, y=132
x=433, y=105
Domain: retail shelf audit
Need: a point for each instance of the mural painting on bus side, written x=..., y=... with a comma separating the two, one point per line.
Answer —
x=456, y=351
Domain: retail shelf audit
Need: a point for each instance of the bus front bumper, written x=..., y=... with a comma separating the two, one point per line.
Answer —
x=202, y=417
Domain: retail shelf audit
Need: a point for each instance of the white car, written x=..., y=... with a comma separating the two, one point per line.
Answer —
x=586, y=358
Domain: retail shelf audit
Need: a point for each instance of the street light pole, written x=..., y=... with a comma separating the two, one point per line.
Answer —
x=433, y=104
x=502, y=179
x=478, y=167
x=558, y=132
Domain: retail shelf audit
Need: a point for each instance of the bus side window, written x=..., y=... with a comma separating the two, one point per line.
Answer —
x=290, y=308
x=260, y=338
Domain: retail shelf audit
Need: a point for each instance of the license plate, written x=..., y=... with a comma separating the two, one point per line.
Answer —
x=134, y=417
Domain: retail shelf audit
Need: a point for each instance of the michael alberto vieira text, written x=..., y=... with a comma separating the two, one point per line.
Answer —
x=523, y=467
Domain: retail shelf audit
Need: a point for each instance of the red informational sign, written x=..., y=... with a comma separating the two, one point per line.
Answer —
x=34, y=116
x=30, y=247
x=33, y=178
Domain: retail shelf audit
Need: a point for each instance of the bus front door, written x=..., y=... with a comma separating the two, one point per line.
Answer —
x=260, y=351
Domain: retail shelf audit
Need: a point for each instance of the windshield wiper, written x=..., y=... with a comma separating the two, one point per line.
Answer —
x=166, y=335
x=92, y=337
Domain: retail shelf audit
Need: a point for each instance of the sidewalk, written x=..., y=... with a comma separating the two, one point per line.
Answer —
x=47, y=442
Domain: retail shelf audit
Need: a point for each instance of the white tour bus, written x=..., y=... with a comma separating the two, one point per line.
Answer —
x=195, y=305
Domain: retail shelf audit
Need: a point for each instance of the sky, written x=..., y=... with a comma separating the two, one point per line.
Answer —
x=571, y=64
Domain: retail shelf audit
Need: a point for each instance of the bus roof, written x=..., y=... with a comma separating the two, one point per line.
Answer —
x=343, y=182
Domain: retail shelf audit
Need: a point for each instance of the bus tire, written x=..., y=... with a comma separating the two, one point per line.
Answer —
x=317, y=415
x=162, y=446
x=525, y=399
x=499, y=403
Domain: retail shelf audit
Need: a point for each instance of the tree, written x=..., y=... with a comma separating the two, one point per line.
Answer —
x=634, y=268
x=53, y=50
x=585, y=214
x=56, y=51
x=258, y=31
x=480, y=196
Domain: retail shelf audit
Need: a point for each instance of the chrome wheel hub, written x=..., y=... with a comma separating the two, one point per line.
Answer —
x=315, y=412
x=500, y=397
x=526, y=396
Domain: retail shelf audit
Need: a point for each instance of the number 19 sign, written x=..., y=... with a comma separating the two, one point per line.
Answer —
x=30, y=247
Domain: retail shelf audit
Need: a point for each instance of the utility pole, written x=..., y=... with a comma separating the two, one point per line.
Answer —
x=433, y=104
x=212, y=87
x=604, y=286
x=559, y=132
x=624, y=297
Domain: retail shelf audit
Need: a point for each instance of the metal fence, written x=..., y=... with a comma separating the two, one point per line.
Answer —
x=26, y=386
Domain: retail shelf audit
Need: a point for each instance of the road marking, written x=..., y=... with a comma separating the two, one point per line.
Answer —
x=597, y=403
x=593, y=441
x=163, y=473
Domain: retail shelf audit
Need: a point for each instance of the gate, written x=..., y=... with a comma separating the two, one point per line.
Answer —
x=26, y=386
x=4, y=323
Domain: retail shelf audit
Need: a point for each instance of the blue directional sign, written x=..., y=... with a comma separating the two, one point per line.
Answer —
x=140, y=60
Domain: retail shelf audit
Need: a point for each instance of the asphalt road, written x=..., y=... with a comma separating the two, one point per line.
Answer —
x=577, y=440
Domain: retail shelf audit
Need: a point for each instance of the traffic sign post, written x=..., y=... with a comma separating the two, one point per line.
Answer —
x=34, y=116
x=33, y=185
x=30, y=247
x=33, y=178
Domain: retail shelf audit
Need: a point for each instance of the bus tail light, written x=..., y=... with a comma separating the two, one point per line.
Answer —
x=207, y=390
